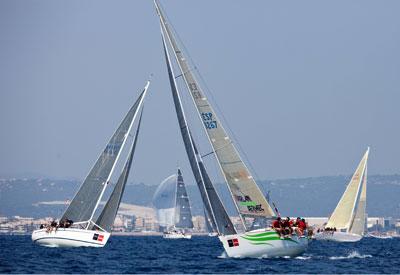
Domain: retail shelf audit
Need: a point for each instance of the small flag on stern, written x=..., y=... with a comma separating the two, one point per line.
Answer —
x=98, y=237
x=233, y=242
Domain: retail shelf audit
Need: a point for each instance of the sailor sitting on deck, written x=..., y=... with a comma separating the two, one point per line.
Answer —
x=277, y=225
x=301, y=226
x=65, y=223
x=287, y=227
x=52, y=225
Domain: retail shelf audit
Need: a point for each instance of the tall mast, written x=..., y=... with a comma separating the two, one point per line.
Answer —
x=248, y=198
x=211, y=200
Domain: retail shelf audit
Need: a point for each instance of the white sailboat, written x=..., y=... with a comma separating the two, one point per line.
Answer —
x=248, y=199
x=347, y=222
x=172, y=207
x=182, y=213
x=78, y=226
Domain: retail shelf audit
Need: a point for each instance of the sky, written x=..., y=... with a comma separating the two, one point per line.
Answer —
x=305, y=86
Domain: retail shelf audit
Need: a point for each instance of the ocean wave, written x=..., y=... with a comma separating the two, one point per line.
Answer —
x=351, y=255
x=303, y=257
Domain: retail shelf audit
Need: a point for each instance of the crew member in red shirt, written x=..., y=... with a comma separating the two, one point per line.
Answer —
x=277, y=226
x=301, y=227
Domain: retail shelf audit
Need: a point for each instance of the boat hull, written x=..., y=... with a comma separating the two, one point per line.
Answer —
x=337, y=237
x=380, y=236
x=70, y=237
x=263, y=243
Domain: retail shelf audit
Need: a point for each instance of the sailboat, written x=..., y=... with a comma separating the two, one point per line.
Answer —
x=249, y=201
x=347, y=222
x=377, y=234
x=78, y=226
x=182, y=213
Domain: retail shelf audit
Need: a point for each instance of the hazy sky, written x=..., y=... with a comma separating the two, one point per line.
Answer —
x=306, y=86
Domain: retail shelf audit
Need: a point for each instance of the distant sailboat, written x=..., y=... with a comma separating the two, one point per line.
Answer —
x=248, y=199
x=347, y=222
x=78, y=227
x=378, y=234
x=182, y=213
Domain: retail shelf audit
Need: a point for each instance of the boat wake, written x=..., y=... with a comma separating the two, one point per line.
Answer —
x=351, y=255
x=223, y=256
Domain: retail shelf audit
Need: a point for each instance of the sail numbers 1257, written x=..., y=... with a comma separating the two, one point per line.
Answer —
x=209, y=123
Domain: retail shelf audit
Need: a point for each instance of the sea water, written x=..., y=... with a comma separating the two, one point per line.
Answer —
x=127, y=254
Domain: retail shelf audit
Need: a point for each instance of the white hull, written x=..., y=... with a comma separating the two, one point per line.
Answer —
x=70, y=237
x=380, y=236
x=176, y=235
x=263, y=243
x=213, y=234
x=337, y=236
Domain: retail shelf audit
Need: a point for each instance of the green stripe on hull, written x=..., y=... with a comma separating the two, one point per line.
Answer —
x=261, y=235
x=266, y=239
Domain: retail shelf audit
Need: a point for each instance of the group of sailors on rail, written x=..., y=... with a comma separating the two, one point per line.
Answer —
x=54, y=225
x=286, y=227
x=327, y=230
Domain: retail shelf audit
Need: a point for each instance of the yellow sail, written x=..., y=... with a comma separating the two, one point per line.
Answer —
x=342, y=216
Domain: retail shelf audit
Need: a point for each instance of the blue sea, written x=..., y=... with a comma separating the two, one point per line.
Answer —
x=127, y=254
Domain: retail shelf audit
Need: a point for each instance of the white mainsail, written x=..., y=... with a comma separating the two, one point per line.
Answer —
x=343, y=215
x=248, y=198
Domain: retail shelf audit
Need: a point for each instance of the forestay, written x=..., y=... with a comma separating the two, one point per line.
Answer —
x=183, y=215
x=86, y=199
x=107, y=216
x=211, y=200
x=342, y=216
x=247, y=196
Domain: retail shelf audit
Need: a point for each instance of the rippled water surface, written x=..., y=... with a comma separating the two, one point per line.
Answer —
x=198, y=255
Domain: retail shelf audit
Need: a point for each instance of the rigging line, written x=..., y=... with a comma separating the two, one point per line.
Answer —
x=218, y=149
x=190, y=70
x=207, y=154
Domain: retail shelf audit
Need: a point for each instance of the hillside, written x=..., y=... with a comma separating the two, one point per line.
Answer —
x=296, y=197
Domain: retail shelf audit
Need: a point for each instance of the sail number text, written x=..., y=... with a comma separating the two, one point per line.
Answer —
x=209, y=123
